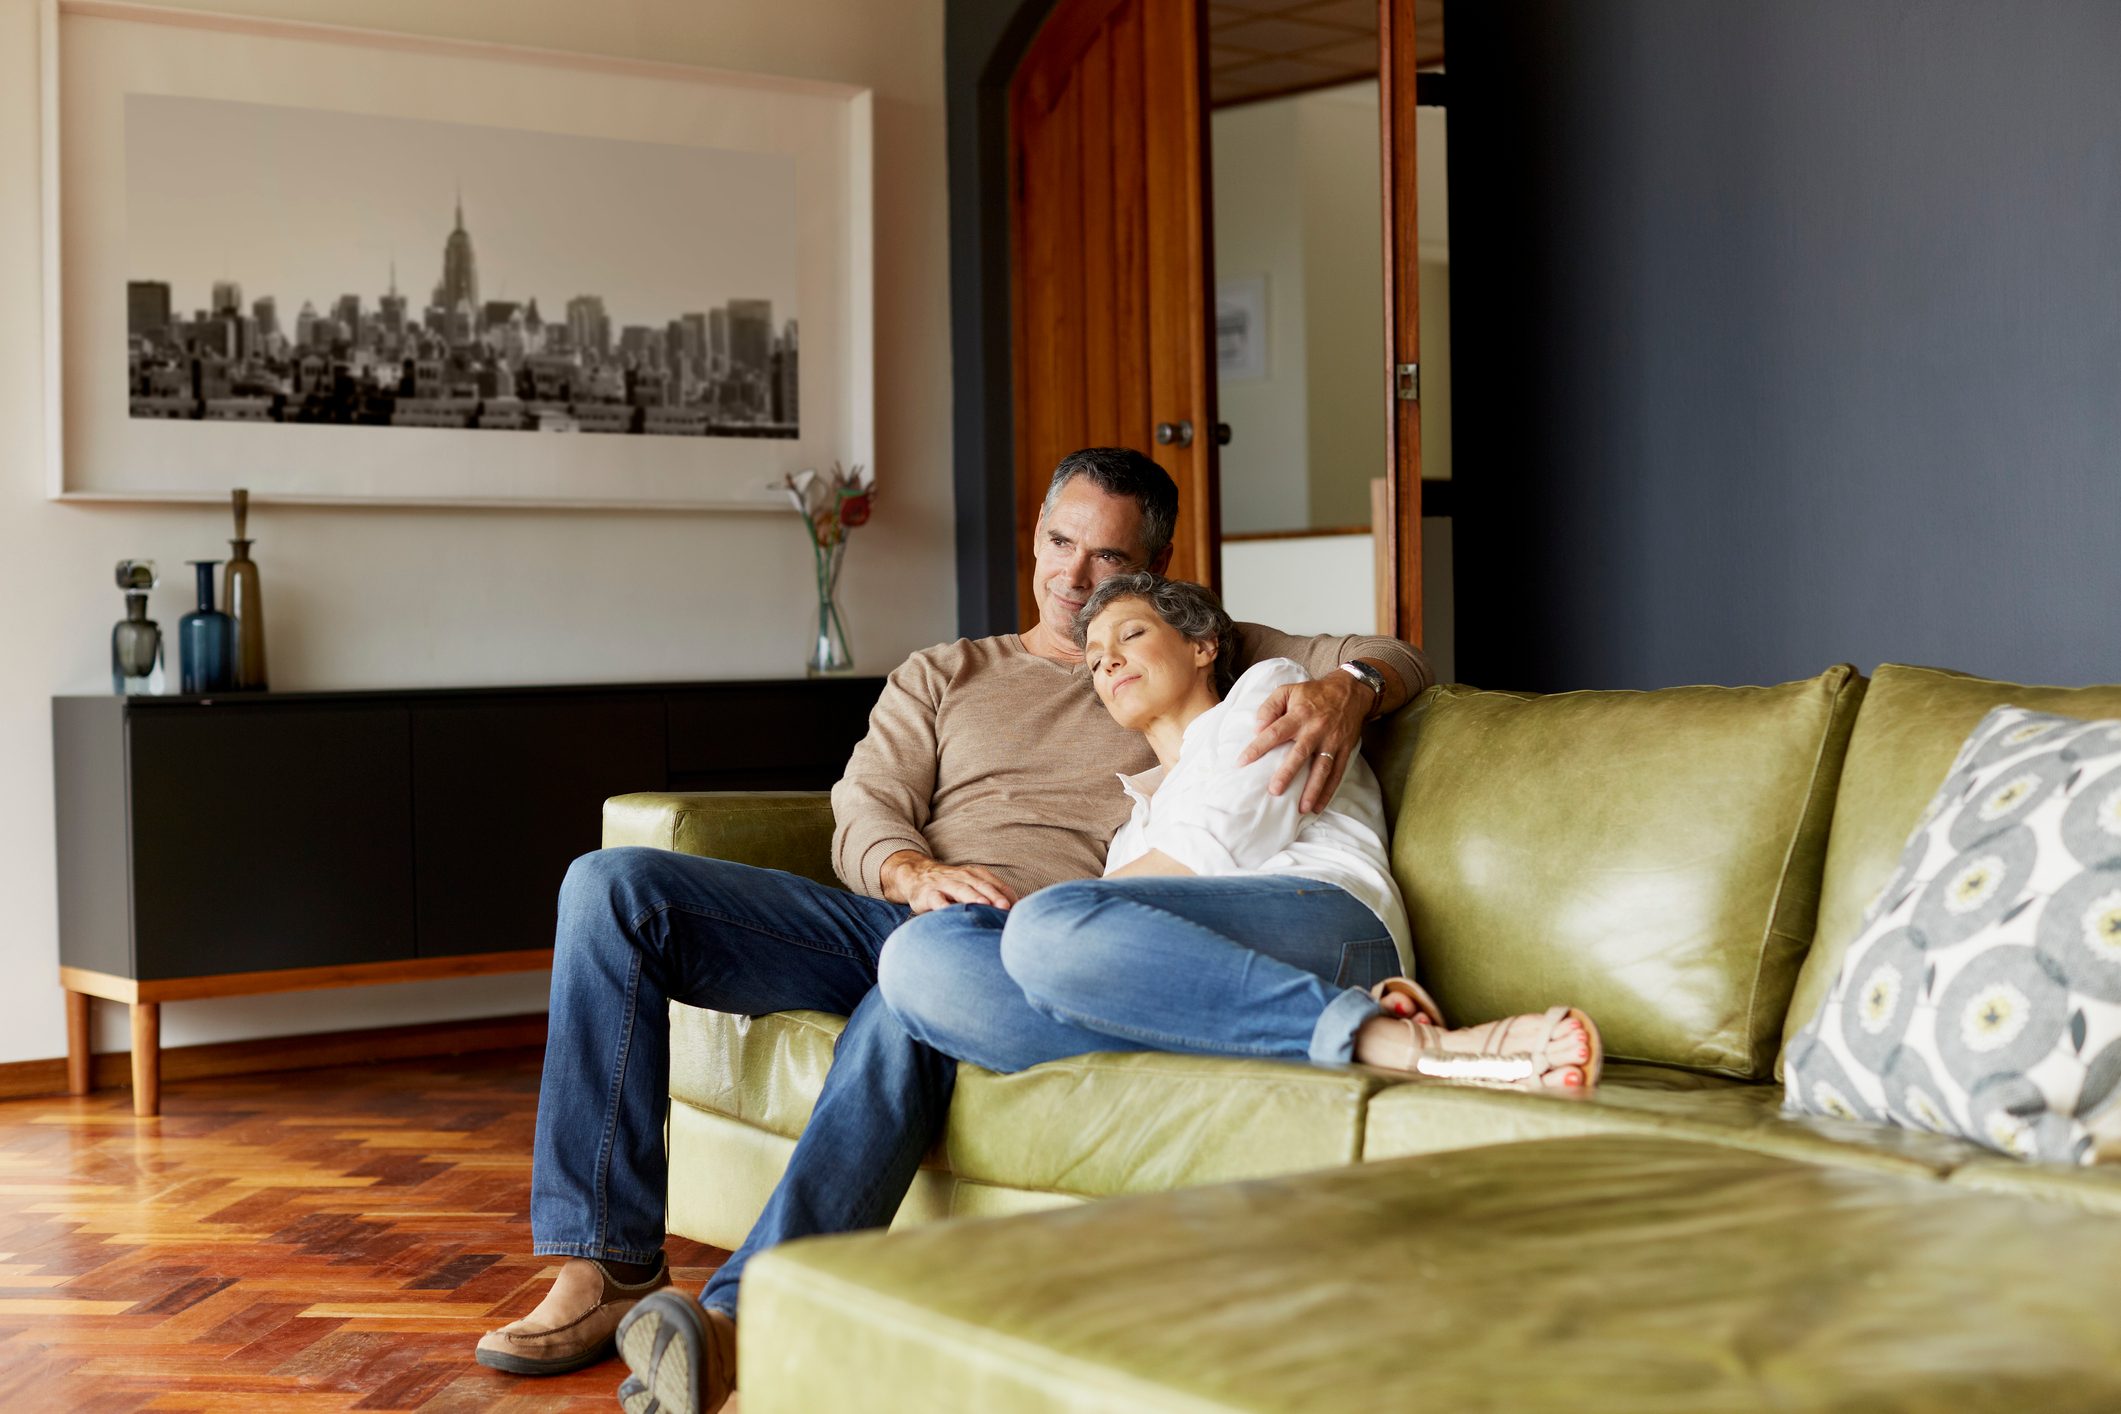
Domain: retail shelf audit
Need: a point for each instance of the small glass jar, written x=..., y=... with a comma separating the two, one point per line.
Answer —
x=136, y=639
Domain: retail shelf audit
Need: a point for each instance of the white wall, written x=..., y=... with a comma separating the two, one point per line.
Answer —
x=1303, y=584
x=1259, y=230
x=1433, y=218
x=392, y=598
x=1344, y=284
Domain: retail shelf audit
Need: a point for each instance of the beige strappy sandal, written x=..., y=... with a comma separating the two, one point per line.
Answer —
x=1509, y=1054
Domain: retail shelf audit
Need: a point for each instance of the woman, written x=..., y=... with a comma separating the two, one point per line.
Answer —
x=1227, y=922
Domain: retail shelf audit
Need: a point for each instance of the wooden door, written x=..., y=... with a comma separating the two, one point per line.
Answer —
x=1397, y=62
x=1112, y=268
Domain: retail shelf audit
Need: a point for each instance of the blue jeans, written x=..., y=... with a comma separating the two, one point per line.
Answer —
x=640, y=928
x=1260, y=965
x=1219, y=966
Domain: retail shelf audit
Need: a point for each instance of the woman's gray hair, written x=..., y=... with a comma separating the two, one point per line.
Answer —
x=1193, y=611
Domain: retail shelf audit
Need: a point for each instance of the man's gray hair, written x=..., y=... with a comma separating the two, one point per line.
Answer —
x=1122, y=471
x=1193, y=611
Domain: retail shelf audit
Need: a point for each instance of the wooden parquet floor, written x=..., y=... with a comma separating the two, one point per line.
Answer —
x=316, y=1240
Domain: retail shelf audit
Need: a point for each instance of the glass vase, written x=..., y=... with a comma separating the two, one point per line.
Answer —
x=829, y=654
x=206, y=638
x=245, y=604
x=136, y=639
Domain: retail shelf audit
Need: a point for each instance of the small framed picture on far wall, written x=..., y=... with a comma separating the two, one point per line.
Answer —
x=1241, y=327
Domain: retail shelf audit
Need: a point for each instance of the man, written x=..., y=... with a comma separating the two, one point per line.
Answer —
x=987, y=773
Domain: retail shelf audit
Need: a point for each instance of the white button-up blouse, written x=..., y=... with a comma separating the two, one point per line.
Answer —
x=1216, y=818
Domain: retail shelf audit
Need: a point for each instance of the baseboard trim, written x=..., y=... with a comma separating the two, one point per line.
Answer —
x=21, y=1080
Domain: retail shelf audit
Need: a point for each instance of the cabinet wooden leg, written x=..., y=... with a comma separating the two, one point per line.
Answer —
x=147, y=1058
x=80, y=1058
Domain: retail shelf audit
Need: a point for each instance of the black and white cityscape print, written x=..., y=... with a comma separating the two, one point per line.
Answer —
x=620, y=288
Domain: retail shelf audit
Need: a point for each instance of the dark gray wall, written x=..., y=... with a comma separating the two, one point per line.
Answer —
x=1786, y=332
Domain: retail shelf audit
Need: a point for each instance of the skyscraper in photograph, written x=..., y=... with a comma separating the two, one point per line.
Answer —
x=460, y=270
x=390, y=309
x=695, y=341
x=751, y=335
x=589, y=325
x=146, y=308
x=717, y=342
x=266, y=313
x=228, y=298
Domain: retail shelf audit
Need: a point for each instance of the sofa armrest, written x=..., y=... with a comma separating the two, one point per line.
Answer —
x=774, y=829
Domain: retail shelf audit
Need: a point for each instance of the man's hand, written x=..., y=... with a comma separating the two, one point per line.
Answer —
x=927, y=884
x=1323, y=715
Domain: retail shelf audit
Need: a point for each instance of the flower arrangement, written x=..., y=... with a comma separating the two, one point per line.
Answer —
x=831, y=504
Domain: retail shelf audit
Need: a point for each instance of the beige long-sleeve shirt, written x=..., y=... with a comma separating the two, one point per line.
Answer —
x=981, y=752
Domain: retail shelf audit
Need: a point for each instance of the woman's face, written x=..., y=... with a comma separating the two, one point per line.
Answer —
x=1142, y=667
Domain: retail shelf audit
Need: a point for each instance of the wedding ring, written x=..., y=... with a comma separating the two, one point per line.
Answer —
x=1327, y=754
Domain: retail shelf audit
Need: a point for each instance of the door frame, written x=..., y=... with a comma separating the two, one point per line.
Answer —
x=983, y=42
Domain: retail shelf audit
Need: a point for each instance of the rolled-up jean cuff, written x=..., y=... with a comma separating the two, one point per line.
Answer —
x=637, y=1256
x=1333, y=1038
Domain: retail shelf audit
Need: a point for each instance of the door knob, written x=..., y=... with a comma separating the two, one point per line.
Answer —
x=1174, y=434
x=1222, y=434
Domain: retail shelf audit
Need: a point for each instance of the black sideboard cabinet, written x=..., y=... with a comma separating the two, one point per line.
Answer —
x=245, y=843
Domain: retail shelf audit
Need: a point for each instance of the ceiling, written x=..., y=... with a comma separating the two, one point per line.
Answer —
x=1259, y=48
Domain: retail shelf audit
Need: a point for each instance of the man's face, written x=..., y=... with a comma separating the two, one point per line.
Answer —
x=1086, y=536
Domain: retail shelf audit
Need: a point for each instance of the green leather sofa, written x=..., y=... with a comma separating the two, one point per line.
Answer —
x=1664, y=860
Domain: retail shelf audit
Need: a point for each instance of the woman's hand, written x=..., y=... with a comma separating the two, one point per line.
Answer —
x=928, y=884
x=1324, y=718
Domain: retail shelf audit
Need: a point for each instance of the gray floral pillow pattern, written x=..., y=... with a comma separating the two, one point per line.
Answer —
x=1983, y=996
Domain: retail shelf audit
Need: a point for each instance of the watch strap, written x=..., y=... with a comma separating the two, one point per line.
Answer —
x=1369, y=677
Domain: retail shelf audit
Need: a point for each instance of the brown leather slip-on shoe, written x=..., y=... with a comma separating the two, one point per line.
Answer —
x=682, y=1355
x=572, y=1327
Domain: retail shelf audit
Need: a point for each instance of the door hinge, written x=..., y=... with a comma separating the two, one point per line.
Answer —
x=1407, y=381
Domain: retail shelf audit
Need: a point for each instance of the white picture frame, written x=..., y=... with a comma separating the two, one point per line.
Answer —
x=99, y=53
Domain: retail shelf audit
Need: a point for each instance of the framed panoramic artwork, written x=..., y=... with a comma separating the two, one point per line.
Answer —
x=336, y=265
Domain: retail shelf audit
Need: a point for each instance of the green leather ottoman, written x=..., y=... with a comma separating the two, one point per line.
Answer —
x=1626, y=1274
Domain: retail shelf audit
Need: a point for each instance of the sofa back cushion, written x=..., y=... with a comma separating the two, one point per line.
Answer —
x=1912, y=725
x=1652, y=857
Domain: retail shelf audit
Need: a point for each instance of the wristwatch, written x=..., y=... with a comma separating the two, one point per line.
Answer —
x=1369, y=677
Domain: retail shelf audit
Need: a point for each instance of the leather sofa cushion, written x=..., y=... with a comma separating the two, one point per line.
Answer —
x=1652, y=857
x=764, y=1070
x=1142, y=1122
x=1090, y=1126
x=1634, y=1274
x=785, y=829
x=1912, y=725
x=1650, y=1100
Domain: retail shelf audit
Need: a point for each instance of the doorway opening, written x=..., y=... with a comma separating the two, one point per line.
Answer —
x=1301, y=358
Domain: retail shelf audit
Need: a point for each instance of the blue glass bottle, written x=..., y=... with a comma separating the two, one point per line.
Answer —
x=207, y=639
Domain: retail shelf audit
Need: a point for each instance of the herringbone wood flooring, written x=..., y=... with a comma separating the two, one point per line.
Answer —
x=317, y=1240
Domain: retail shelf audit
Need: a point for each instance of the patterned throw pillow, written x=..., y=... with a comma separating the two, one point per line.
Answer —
x=1983, y=996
